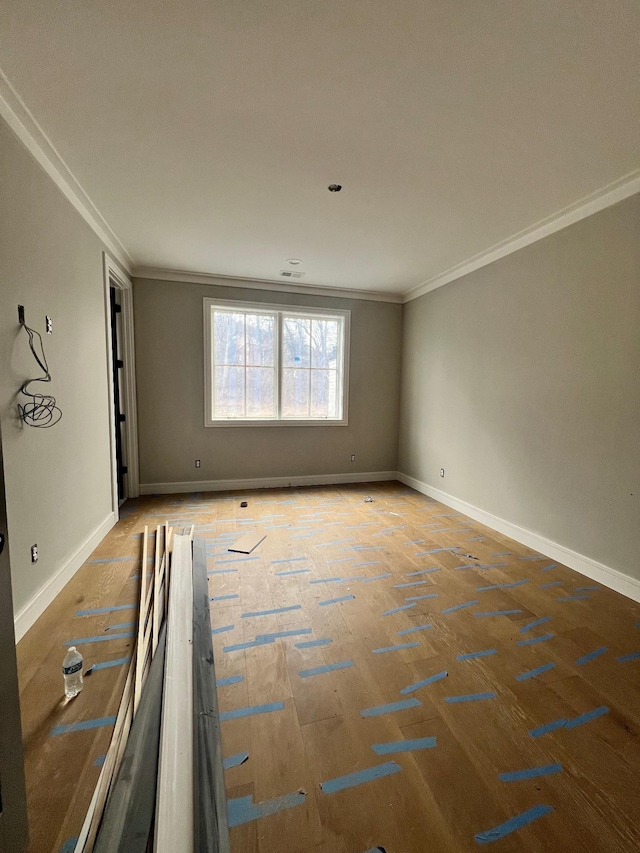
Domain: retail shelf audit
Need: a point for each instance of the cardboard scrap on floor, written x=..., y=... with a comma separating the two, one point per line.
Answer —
x=247, y=543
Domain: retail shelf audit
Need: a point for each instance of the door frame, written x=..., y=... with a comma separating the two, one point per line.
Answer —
x=115, y=277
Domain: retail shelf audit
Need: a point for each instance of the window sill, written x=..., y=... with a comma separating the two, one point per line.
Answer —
x=307, y=422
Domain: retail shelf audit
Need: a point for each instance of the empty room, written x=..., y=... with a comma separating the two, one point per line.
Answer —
x=319, y=426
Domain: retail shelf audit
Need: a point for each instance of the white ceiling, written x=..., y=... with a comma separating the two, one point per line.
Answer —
x=206, y=132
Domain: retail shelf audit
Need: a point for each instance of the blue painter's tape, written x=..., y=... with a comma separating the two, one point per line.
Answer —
x=534, y=557
x=502, y=554
x=532, y=673
x=414, y=629
x=534, y=624
x=422, y=597
x=586, y=718
x=408, y=584
x=224, y=597
x=288, y=560
x=100, y=760
x=377, y=577
x=413, y=687
x=548, y=727
x=378, y=710
x=238, y=559
x=368, y=547
x=491, y=565
x=232, y=679
x=335, y=542
x=530, y=773
x=501, y=585
x=69, y=845
x=235, y=760
x=436, y=551
x=467, y=566
x=250, y=645
x=119, y=626
x=549, y=567
x=106, y=609
x=341, y=560
x=222, y=571
x=113, y=560
x=475, y=538
x=325, y=580
x=592, y=655
x=498, y=613
x=587, y=589
x=272, y=612
x=461, y=606
x=367, y=563
x=99, y=639
x=396, y=648
x=82, y=726
x=303, y=535
x=398, y=609
x=251, y=711
x=107, y=664
x=359, y=777
x=336, y=600
x=293, y=572
x=270, y=638
x=423, y=572
x=330, y=667
x=243, y=810
x=535, y=640
x=403, y=745
x=470, y=697
x=482, y=654
x=512, y=824
x=630, y=656
x=573, y=598
x=550, y=585
x=353, y=578
x=414, y=542
x=222, y=630
x=308, y=644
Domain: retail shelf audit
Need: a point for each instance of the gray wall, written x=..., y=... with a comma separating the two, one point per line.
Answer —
x=170, y=379
x=522, y=380
x=58, y=480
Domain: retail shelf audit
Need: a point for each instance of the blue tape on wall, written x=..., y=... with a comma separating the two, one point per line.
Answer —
x=472, y=655
x=532, y=673
x=321, y=670
x=469, y=697
x=244, y=810
x=378, y=710
x=395, y=648
x=331, y=786
x=235, y=760
x=535, y=640
x=530, y=773
x=308, y=644
x=272, y=612
x=413, y=687
x=404, y=746
x=460, y=606
x=591, y=656
x=415, y=628
x=336, y=600
x=82, y=726
x=512, y=824
x=251, y=711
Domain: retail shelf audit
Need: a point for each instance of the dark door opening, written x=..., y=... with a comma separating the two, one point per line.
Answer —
x=120, y=417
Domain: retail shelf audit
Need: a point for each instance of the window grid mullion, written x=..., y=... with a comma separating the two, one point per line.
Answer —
x=279, y=368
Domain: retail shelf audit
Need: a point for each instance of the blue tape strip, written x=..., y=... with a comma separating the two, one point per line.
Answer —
x=534, y=624
x=535, y=640
x=630, y=656
x=530, y=773
x=304, y=535
x=414, y=629
x=249, y=645
x=413, y=687
x=107, y=664
x=232, y=679
x=239, y=559
x=534, y=557
x=467, y=566
x=272, y=612
x=423, y=572
x=403, y=745
x=106, y=609
x=224, y=597
x=396, y=648
x=251, y=711
x=222, y=571
x=512, y=824
x=398, y=609
x=243, y=810
x=235, y=760
x=548, y=727
x=114, y=560
x=325, y=580
x=475, y=538
x=502, y=554
x=587, y=589
x=461, y=606
x=367, y=563
x=482, y=654
x=414, y=542
x=82, y=726
x=586, y=718
x=100, y=760
x=532, y=673
x=592, y=655
x=330, y=667
x=99, y=639
x=340, y=560
x=470, y=697
x=422, y=597
x=336, y=600
x=335, y=542
x=353, y=578
x=501, y=585
x=69, y=845
x=573, y=598
x=550, y=585
x=549, y=567
x=222, y=630
x=408, y=584
x=119, y=626
x=378, y=710
x=377, y=577
x=498, y=613
x=270, y=638
x=359, y=777
x=491, y=565
x=308, y=644
x=436, y=551
x=292, y=572
x=368, y=547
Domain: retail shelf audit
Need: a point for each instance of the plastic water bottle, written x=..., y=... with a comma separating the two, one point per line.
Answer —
x=72, y=672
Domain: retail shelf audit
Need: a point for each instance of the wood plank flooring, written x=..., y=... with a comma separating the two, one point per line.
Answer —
x=505, y=662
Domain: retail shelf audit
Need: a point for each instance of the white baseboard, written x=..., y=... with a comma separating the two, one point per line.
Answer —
x=34, y=608
x=605, y=575
x=264, y=483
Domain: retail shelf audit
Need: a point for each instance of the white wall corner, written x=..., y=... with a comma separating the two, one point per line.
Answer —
x=36, y=606
x=264, y=483
x=605, y=575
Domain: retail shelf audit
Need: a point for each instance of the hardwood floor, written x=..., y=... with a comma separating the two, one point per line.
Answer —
x=504, y=662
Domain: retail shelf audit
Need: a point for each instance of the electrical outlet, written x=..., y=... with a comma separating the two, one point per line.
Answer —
x=34, y=553
x=353, y=457
x=197, y=463
x=21, y=319
x=442, y=472
x=48, y=323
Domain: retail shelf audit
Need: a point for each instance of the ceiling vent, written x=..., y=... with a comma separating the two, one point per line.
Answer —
x=291, y=274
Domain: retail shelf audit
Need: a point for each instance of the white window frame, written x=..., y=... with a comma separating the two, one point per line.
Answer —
x=299, y=311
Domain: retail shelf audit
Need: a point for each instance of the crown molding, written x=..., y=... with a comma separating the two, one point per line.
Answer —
x=21, y=121
x=606, y=197
x=160, y=274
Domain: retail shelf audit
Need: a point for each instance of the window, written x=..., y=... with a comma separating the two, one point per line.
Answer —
x=268, y=364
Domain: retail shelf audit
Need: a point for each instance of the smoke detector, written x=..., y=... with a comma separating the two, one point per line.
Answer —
x=291, y=274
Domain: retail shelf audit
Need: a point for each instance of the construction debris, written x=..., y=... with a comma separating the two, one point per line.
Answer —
x=247, y=543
